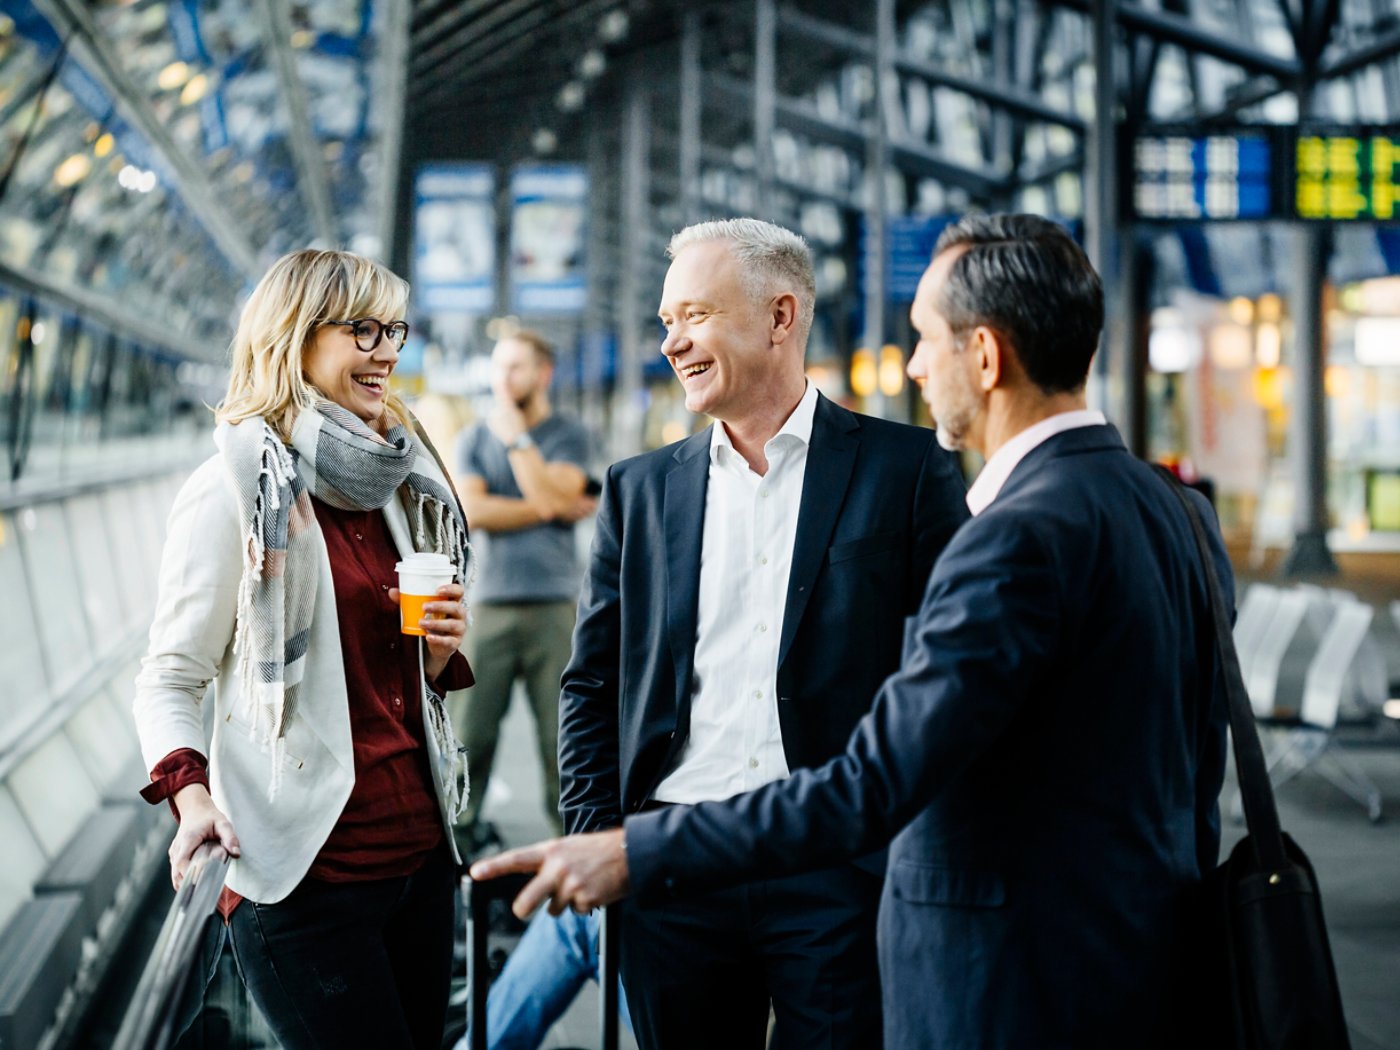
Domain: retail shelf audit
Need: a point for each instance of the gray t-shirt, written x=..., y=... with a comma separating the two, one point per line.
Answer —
x=536, y=564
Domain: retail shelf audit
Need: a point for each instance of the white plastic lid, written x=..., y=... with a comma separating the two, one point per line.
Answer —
x=426, y=563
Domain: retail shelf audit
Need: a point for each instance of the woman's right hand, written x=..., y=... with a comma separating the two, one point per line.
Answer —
x=200, y=822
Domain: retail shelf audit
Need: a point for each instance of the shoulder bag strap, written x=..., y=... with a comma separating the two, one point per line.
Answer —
x=1260, y=813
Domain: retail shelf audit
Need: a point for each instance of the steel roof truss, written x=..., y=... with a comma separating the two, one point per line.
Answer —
x=89, y=45
x=274, y=17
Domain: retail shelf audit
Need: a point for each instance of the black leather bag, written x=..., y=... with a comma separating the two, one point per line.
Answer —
x=1266, y=964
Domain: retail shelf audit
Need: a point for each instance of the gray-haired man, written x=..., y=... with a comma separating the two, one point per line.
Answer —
x=746, y=597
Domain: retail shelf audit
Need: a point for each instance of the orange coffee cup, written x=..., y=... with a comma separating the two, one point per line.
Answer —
x=420, y=576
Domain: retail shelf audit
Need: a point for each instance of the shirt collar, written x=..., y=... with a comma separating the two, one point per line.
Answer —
x=798, y=425
x=993, y=476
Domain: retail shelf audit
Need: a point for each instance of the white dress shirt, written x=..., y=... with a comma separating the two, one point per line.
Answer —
x=993, y=476
x=735, y=742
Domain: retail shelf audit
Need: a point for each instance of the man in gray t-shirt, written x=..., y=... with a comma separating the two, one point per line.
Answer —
x=522, y=476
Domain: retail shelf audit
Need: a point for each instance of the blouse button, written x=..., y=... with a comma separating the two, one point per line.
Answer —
x=393, y=645
x=398, y=702
x=359, y=535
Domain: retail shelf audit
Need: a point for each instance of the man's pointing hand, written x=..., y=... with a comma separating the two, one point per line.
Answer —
x=581, y=872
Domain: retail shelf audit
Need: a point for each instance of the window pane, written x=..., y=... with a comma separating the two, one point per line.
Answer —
x=49, y=558
x=22, y=684
x=97, y=575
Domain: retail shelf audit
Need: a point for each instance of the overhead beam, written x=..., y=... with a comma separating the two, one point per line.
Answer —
x=110, y=313
x=462, y=26
x=393, y=77
x=88, y=45
x=1007, y=97
x=1385, y=46
x=477, y=59
x=1177, y=29
x=1049, y=169
x=1260, y=89
x=911, y=158
x=276, y=25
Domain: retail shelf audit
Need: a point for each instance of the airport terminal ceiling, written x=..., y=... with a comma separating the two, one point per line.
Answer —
x=155, y=155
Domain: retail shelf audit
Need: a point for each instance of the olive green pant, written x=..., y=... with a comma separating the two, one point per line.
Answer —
x=529, y=641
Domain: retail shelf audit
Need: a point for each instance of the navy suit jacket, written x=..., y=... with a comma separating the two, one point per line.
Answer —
x=1049, y=756
x=879, y=502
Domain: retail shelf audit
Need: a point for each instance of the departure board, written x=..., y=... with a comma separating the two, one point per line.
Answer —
x=1193, y=176
x=1347, y=175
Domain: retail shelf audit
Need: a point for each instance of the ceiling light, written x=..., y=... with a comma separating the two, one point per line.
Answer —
x=172, y=76
x=592, y=64
x=194, y=90
x=544, y=141
x=613, y=27
x=73, y=170
x=103, y=145
x=570, y=97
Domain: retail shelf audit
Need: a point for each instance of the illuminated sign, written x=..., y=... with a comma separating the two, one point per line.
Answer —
x=1347, y=175
x=1203, y=176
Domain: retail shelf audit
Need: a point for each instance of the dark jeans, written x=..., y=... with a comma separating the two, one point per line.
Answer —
x=348, y=964
x=701, y=970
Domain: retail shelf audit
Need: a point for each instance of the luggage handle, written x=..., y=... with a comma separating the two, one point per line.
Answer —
x=479, y=895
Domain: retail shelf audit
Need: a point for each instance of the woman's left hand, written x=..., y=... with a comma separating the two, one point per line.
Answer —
x=445, y=621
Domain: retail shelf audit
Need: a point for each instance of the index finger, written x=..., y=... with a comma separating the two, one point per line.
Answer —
x=519, y=861
x=536, y=892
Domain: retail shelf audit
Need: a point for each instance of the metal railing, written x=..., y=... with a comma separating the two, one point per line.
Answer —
x=150, y=1019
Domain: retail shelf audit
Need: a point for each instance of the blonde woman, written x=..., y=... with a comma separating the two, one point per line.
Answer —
x=331, y=774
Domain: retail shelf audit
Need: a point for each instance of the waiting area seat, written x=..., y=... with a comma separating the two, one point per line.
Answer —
x=1312, y=667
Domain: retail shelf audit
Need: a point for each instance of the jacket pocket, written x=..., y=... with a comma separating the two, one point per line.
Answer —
x=879, y=543
x=926, y=884
x=237, y=724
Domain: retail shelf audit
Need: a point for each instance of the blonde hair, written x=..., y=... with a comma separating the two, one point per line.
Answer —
x=302, y=291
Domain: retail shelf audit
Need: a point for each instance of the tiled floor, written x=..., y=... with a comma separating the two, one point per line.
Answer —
x=1358, y=868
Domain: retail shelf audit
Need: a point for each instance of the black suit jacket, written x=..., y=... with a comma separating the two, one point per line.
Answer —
x=879, y=502
x=1049, y=754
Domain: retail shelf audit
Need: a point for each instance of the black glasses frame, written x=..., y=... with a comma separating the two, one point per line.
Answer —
x=397, y=331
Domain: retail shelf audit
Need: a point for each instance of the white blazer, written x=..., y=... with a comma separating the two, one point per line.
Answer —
x=191, y=644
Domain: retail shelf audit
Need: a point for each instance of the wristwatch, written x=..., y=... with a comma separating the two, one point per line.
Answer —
x=521, y=443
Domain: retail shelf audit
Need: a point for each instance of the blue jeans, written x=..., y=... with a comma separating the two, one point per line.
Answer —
x=555, y=958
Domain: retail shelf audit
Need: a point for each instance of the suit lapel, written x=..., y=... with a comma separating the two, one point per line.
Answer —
x=831, y=459
x=683, y=518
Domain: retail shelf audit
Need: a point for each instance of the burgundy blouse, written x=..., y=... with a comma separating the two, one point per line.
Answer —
x=391, y=822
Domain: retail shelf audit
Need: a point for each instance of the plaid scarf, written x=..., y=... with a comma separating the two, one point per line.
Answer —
x=337, y=458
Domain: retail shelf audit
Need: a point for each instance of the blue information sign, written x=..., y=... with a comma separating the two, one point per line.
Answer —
x=548, y=218
x=454, y=238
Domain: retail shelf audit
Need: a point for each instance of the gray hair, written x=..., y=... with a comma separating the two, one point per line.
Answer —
x=771, y=260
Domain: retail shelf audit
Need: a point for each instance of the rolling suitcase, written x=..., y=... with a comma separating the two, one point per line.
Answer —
x=479, y=897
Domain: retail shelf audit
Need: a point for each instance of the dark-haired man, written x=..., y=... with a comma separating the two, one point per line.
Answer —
x=1049, y=755
x=522, y=475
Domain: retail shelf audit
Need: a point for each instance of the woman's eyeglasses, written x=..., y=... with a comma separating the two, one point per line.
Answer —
x=368, y=332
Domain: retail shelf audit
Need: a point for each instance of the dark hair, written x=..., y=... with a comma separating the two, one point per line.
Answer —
x=1024, y=277
x=543, y=348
